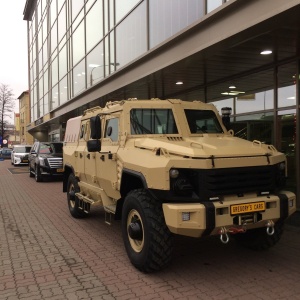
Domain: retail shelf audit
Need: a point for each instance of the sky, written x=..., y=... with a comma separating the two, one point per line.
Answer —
x=13, y=49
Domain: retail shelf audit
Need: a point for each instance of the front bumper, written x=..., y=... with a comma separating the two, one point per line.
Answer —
x=20, y=161
x=196, y=220
x=47, y=171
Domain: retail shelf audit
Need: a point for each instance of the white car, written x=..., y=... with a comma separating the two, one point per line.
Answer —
x=19, y=155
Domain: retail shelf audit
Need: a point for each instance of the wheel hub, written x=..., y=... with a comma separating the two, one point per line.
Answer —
x=135, y=231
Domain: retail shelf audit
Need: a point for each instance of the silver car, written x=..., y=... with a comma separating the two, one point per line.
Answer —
x=19, y=154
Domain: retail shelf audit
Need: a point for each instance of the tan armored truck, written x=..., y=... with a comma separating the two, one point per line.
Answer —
x=166, y=167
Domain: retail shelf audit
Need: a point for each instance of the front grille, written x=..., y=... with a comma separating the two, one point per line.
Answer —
x=55, y=162
x=218, y=182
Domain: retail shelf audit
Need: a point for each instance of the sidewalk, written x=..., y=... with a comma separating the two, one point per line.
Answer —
x=47, y=254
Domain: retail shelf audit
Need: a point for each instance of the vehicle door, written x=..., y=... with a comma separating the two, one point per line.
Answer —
x=89, y=160
x=81, y=150
x=32, y=156
x=107, y=171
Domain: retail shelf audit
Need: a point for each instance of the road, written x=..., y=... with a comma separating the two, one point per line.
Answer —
x=47, y=254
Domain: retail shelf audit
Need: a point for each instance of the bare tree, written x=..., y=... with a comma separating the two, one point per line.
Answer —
x=6, y=107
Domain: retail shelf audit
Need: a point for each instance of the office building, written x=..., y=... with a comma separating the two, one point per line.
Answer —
x=239, y=54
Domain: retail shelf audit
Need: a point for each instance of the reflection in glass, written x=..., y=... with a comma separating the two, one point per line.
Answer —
x=46, y=104
x=41, y=108
x=62, y=26
x=76, y=7
x=54, y=37
x=223, y=103
x=63, y=62
x=54, y=71
x=131, y=36
x=255, y=102
x=95, y=65
x=63, y=90
x=170, y=16
x=286, y=138
x=55, y=98
x=255, y=127
x=123, y=7
x=213, y=4
x=78, y=38
x=95, y=32
x=79, y=78
x=287, y=96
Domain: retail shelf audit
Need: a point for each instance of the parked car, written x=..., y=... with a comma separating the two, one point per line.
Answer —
x=6, y=153
x=19, y=154
x=45, y=159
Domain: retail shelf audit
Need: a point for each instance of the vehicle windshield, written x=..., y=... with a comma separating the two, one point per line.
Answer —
x=152, y=121
x=203, y=121
x=22, y=149
x=51, y=148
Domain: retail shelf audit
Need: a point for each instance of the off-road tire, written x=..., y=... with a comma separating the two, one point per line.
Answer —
x=73, y=201
x=154, y=251
x=258, y=239
x=30, y=172
x=37, y=174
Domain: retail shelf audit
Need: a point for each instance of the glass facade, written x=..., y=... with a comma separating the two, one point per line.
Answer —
x=75, y=44
x=269, y=115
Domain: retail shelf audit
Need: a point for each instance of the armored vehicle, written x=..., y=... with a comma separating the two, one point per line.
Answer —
x=166, y=167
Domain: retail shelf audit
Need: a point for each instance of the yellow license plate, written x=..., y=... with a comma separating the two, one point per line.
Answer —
x=247, y=208
x=59, y=170
x=25, y=160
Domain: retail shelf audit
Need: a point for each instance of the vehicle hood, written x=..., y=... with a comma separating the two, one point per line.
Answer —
x=206, y=146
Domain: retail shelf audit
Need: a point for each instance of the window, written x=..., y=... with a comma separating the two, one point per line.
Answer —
x=112, y=129
x=202, y=121
x=95, y=33
x=131, y=36
x=152, y=121
x=82, y=131
x=170, y=16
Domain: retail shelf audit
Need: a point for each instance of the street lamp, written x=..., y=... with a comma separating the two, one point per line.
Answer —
x=94, y=66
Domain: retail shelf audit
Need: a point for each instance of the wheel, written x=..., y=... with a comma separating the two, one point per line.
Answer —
x=258, y=239
x=73, y=202
x=30, y=172
x=147, y=239
x=37, y=174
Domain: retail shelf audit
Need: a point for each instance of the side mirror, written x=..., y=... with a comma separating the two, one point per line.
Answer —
x=95, y=128
x=93, y=145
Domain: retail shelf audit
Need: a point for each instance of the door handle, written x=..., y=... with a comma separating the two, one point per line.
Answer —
x=80, y=155
x=88, y=156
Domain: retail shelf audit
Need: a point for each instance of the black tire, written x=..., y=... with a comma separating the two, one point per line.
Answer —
x=258, y=239
x=73, y=201
x=30, y=172
x=151, y=251
x=37, y=174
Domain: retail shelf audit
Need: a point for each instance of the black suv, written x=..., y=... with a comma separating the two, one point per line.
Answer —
x=45, y=159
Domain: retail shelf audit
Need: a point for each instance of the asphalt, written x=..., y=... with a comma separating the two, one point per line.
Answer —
x=47, y=254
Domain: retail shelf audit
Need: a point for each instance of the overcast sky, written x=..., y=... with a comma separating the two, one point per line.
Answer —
x=13, y=49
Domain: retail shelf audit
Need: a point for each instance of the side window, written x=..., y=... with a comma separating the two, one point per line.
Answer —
x=34, y=148
x=112, y=129
x=82, y=131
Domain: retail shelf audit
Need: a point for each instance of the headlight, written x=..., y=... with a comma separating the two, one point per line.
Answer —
x=174, y=173
x=42, y=161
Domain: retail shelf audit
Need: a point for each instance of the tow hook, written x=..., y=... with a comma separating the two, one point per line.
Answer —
x=224, y=237
x=270, y=227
